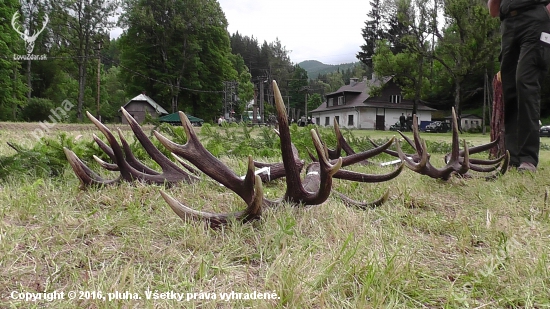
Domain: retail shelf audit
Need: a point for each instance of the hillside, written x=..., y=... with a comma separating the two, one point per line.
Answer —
x=314, y=67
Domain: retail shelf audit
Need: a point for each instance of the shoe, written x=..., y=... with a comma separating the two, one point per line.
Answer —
x=527, y=167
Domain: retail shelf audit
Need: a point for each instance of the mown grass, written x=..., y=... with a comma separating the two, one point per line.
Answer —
x=465, y=243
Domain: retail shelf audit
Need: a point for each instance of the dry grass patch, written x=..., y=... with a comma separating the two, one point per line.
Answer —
x=456, y=244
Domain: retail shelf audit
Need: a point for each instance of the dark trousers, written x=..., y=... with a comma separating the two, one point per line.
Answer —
x=524, y=65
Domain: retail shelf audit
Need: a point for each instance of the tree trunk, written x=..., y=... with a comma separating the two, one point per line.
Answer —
x=497, y=123
x=418, y=90
x=458, y=90
x=29, y=80
x=81, y=86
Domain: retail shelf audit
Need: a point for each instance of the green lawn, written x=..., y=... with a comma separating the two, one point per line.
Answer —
x=464, y=243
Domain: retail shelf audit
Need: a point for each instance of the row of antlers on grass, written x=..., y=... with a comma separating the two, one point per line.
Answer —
x=313, y=189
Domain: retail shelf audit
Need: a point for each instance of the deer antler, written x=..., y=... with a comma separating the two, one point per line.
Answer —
x=125, y=162
x=457, y=162
x=252, y=212
x=295, y=191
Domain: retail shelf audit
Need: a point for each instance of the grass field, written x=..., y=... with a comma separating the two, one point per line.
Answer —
x=464, y=243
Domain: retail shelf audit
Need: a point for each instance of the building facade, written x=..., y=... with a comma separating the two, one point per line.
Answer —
x=352, y=106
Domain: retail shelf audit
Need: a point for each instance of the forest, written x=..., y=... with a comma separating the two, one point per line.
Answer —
x=180, y=54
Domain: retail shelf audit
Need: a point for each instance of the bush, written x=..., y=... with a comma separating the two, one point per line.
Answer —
x=37, y=109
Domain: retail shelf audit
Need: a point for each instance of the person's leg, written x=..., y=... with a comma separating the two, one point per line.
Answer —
x=531, y=71
x=509, y=60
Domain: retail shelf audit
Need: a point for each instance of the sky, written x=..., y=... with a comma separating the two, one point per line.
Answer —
x=325, y=30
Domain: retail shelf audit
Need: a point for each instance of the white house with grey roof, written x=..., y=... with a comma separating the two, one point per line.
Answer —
x=352, y=106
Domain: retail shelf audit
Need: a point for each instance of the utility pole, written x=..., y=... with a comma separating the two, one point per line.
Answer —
x=229, y=98
x=306, y=89
x=261, y=100
x=99, y=42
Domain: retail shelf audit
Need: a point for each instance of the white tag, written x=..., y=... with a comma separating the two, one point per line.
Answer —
x=545, y=37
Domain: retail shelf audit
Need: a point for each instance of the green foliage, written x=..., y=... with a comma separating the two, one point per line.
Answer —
x=37, y=109
x=191, y=50
x=13, y=87
x=46, y=158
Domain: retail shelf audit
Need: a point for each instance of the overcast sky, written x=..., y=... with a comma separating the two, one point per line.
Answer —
x=325, y=30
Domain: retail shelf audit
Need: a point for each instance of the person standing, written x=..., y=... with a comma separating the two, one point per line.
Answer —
x=409, y=122
x=402, y=121
x=524, y=61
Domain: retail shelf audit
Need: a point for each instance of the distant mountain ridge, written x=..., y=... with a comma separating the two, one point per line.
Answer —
x=314, y=67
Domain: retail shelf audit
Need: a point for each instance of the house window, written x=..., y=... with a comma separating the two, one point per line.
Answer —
x=341, y=100
x=350, y=120
x=327, y=121
x=330, y=102
x=395, y=98
x=317, y=120
x=337, y=119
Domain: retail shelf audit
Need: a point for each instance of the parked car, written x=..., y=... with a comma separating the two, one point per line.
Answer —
x=545, y=131
x=397, y=126
x=438, y=127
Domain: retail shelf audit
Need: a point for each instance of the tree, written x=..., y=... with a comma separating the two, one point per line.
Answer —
x=408, y=64
x=298, y=87
x=468, y=43
x=314, y=101
x=177, y=51
x=33, y=21
x=13, y=89
x=80, y=24
x=372, y=32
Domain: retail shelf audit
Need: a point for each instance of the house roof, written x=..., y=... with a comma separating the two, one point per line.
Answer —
x=175, y=117
x=362, y=90
x=144, y=98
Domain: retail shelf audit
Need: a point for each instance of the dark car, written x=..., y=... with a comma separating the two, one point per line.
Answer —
x=438, y=127
x=397, y=127
x=545, y=131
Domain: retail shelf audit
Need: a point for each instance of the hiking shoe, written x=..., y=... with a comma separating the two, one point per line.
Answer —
x=527, y=167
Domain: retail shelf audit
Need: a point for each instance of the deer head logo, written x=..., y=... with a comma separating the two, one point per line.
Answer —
x=29, y=39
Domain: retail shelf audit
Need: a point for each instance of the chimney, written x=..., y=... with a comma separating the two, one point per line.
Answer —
x=353, y=81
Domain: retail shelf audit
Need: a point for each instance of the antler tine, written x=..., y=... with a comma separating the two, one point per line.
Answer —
x=503, y=168
x=185, y=165
x=194, y=152
x=358, y=157
x=370, y=178
x=464, y=166
x=86, y=176
x=409, y=162
x=253, y=210
x=455, y=144
x=168, y=167
x=416, y=144
x=364, y=205
x=129, y=173
x=108, y=166
x=334, y=153
x=295, y=191
x=277, y=170
x=130, y=158
x=104, y=147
